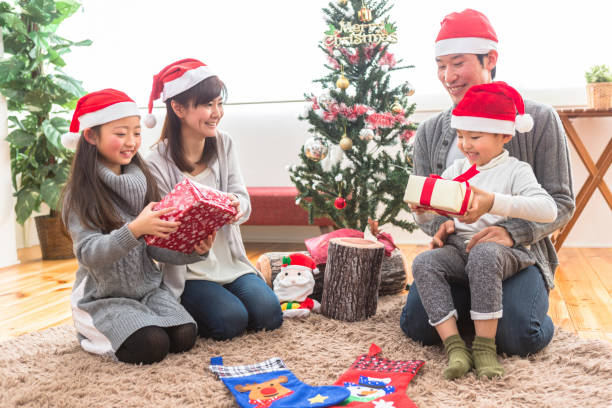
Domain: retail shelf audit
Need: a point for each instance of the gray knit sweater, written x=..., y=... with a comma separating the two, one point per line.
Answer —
x=118, y=288
x=227, y=167
x=544, y=148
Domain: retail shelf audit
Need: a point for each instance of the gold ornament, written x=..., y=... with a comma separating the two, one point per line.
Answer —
x=316, y=148
x=410, y=92
x=346, y=143
x=342, y=82
x=410, y=89
x=397, y=108
x=365, y=14
x=342, y=2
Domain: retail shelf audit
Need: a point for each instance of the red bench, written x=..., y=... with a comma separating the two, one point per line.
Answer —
x=276, y=206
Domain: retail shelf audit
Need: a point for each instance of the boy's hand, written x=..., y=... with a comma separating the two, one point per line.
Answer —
x=204, y=246
x=236, y=204
x=149, y=222
x=481, y=204
x=438, y=240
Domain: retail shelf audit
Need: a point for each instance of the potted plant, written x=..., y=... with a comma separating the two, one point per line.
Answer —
x=599, y=87
x=39, y=97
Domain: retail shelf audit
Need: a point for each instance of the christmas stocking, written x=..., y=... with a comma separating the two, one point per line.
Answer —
x=377, y=382
x=270, y=384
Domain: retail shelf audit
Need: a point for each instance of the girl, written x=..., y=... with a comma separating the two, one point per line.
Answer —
x=119, y=306
x=224, y=293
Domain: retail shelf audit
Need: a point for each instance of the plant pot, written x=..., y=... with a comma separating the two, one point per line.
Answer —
x=599, y=95
x=55, y=242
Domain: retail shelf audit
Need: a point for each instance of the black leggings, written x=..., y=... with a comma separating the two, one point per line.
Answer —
x=151, y=344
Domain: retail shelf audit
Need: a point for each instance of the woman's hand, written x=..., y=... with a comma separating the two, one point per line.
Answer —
x=204, y=246
x=149, y=222
x=236, y=204
x=481, y=204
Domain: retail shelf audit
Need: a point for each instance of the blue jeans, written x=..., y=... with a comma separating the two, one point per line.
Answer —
x=524, y=329
x=226, y=311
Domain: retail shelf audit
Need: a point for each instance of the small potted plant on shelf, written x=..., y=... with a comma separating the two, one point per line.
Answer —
x=39, y=96
x=599, y=87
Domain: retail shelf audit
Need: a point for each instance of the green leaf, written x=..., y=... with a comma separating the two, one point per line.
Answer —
x=41, y=11
x=50, y=192
x=19, y=138
x=13, y=22
x=84, y=43
x=65, y=8
x=10, y=70
x=54, y=129
x=28, y=200
x=331, y=30
x=70, y=85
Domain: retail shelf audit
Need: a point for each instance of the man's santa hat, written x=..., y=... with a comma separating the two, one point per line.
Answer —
x=175, y=79
x=98, y=108
x=492, y=108
x=299, y=262
x=468, y=32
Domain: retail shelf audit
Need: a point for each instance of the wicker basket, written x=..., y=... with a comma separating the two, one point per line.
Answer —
x=599, y=95
x=55, y=242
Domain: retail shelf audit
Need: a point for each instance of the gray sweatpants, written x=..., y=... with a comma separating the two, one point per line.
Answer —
x=482, y=269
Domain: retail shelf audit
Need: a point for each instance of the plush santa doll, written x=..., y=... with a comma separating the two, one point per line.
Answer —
x=294, y=283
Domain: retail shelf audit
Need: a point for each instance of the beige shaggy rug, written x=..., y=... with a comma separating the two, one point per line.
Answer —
x=49, y=369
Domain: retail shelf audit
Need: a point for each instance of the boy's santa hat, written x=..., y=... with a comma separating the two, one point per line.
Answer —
x=298, y=261
x=492, y=108
x=468, y=32
x=175, y=79
x=98, y=108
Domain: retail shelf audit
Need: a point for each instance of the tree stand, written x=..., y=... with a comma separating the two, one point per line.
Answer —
x=350, y=289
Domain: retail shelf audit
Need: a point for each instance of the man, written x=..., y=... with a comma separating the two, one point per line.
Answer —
x=466, y=55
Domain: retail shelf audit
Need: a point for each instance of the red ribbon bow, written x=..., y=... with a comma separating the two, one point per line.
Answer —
x=428, y=187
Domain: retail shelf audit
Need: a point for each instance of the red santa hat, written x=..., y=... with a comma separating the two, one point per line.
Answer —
x=299, y=261
x=492, y=108
x=98, y=108
x=175, y=79
x=468, y=32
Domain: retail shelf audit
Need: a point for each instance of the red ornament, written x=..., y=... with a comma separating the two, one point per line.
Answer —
x=340, y=203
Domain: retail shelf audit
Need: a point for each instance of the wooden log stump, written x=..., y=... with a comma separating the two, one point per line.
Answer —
x=393, y=273
x=350, y=289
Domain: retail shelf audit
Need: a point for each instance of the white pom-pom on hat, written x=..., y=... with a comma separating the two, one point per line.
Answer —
x=523, y=123
x=70, y=140
x=150, y=121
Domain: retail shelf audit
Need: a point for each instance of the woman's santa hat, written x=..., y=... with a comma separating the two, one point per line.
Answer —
x=175, y=79
x=468, y=32
x=299, y=261
x=492, y=108
x=98, y=108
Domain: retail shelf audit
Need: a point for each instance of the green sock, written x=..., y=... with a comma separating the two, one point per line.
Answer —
x=485, y=358
x=459, y=357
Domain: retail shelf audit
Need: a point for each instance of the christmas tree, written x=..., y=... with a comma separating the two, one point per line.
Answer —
x=356, y=166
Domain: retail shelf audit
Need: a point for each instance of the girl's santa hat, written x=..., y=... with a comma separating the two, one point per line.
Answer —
x=175, y=79
x=299, y=261
x=468, y=32
x=98, y=108
x=492, y=108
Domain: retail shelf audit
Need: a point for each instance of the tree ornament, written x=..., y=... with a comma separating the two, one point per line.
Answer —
x=342, y=82
x=316, y=148
x=346, y=143
x=384, y=68
x=365, y=14
x=397, y=108
x=340, y=203
x=366, y=134
x=342, y=2
x=336, y=53
x=409, y=89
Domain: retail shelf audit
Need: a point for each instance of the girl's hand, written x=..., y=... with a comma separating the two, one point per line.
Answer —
x=415, y=209
x=204, y=246
x=481, y=204
x=236, y=204
x=149, y=222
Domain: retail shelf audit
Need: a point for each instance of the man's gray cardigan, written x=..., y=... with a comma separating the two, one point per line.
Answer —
x=544, y=148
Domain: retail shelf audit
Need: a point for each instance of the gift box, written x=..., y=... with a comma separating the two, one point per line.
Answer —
x=447, y=197
x=200, y=210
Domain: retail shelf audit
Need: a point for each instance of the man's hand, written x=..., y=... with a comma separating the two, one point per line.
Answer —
x=481, y=204
x=438, y=240
x=491, y=234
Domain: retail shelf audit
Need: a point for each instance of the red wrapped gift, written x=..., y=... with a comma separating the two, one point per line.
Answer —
x=200, y=210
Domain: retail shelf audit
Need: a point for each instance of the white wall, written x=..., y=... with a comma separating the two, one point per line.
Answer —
x=8, y=250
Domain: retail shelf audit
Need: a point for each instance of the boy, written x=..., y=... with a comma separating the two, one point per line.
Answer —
x=485, y=120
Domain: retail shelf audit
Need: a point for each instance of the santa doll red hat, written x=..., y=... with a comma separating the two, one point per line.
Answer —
x=98, y=108
x=495, y=107
x=175, y=79
x=467, y=32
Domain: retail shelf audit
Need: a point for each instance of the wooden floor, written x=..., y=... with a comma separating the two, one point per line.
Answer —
x=34, y=295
